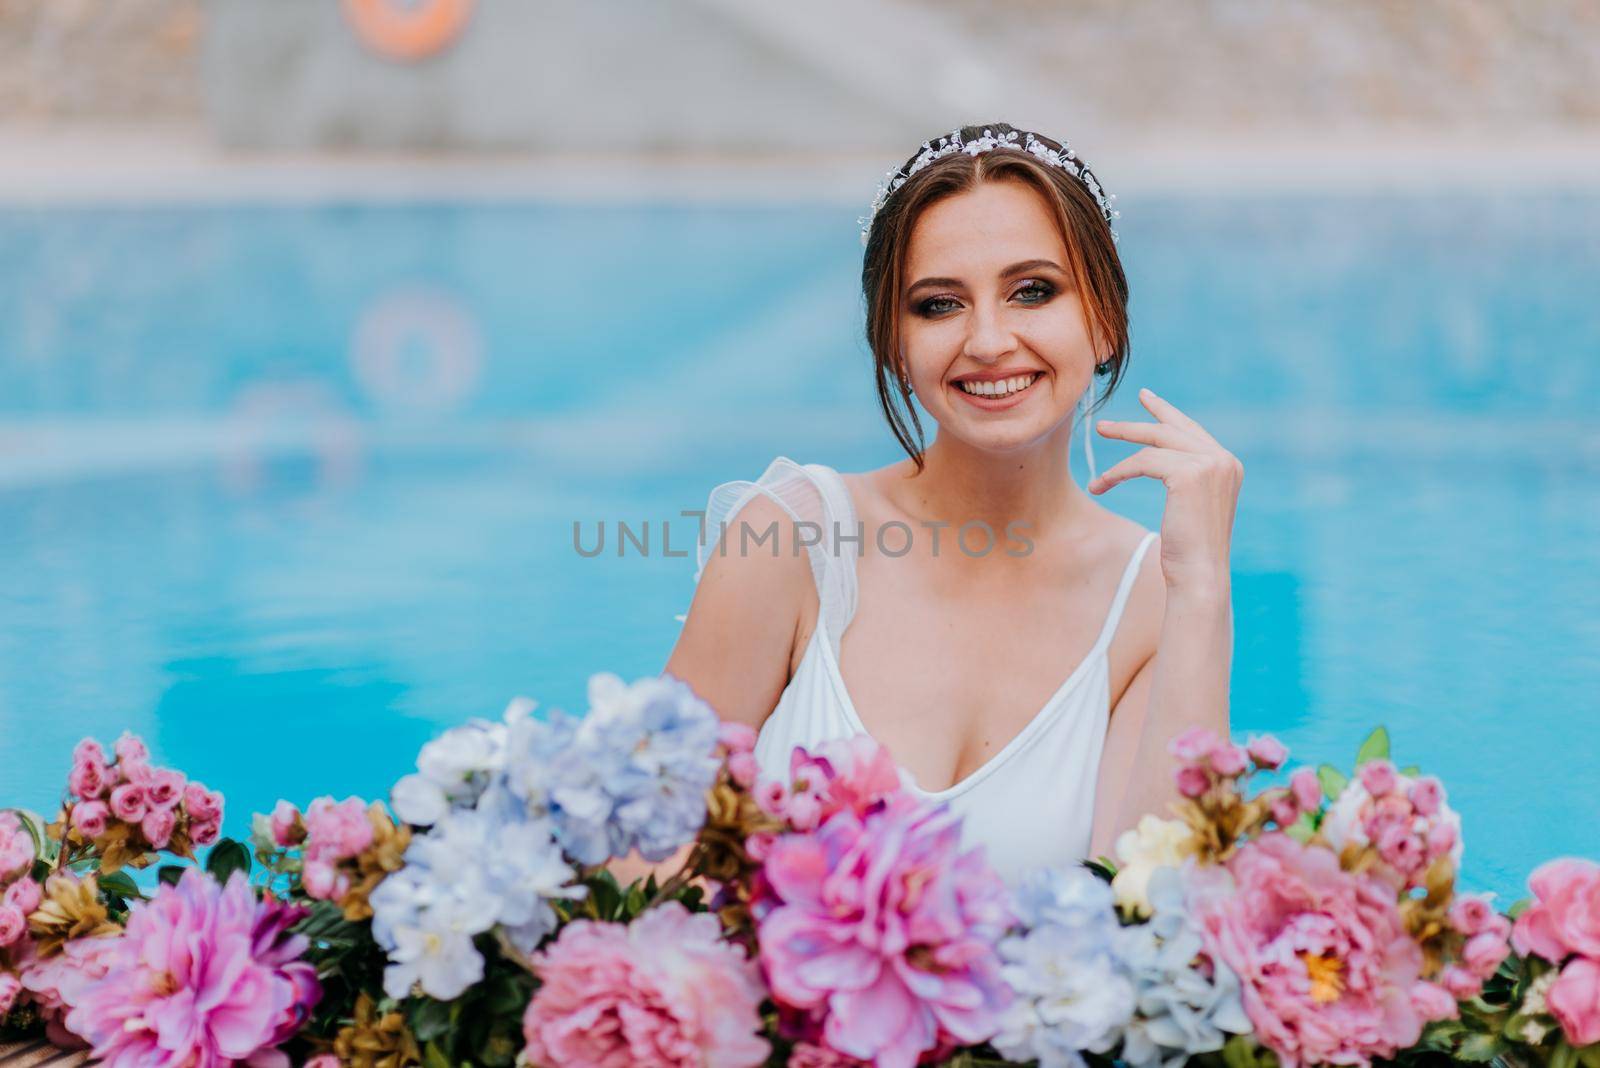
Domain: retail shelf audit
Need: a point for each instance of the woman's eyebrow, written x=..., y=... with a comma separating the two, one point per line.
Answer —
x=1015, y=268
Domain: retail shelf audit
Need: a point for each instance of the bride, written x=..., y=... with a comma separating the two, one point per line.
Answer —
x=1005, y=636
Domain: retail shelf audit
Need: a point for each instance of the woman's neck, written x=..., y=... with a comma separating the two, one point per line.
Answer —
x=960, y=484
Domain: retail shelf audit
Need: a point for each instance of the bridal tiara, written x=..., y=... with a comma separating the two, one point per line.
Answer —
x=952, y=143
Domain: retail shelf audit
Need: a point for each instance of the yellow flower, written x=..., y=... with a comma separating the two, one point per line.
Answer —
x=1154, y=843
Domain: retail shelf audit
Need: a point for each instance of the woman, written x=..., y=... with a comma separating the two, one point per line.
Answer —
x=1032, y=685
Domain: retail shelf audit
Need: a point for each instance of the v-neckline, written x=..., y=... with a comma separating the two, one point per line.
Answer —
x=1036, y=723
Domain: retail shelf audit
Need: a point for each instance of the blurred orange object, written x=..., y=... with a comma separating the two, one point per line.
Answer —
x=408, y=31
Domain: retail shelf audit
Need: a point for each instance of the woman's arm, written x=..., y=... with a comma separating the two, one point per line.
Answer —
x=738, y=635
x=1183, y=684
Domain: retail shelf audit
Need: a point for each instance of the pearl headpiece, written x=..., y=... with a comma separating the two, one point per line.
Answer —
x=952, y=143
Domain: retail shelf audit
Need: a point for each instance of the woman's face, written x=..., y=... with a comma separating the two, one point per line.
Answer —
x=990, y=305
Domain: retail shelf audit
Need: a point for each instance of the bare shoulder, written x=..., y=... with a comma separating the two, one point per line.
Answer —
x=1139, y=630
x=738, y=637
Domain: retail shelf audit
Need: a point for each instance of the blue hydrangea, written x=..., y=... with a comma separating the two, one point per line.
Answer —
x=1072, y=991
x=631, y=774
x=1180, y=1012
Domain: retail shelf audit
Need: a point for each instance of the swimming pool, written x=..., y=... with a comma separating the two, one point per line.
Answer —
x=286, y=489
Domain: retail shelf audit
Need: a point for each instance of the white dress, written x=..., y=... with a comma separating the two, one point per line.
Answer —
x=1032, y=803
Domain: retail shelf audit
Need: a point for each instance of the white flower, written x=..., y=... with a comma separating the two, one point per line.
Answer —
x=1154, y=843
x=436, y=951
x=1342, y=823
x=454, y=769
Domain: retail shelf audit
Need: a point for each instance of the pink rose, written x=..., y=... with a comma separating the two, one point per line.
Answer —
x=202, y=804
x=157, y=826
x=1268, y=752
x=772, y=797
x=337, y=830
x=205, y=832
x=320, y=879
x=1307, y=789
x=1434, y=1002
x=736, y=737
x=1441, y=839
x=287, y=827
x=129, y=747
x=88, y=750
x=1470, y=914
x=666, y=990
x=1194, y=745
x=89, y=818
x=88, y=779
x=1378, y=777
x=1284, y=809
x=10, y=987
x=1483, y=954
x=1461, y=983
x=23, y=895
x=1564, y=917
x=811, y=1055
x=323, y=1060
x=1575, y=1001
x=1427, y=795
x=1192, y=780
x=1400, y=849
x=136, y=770
x=129, y=802
x=166, y=788
x=13, y=924
x=743, y=769
x=1229, y=760
x=16, y=845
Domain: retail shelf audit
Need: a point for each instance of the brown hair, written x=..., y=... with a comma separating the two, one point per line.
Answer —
x=1091, y=254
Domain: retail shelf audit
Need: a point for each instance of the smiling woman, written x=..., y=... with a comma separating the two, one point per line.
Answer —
x=1034, y=692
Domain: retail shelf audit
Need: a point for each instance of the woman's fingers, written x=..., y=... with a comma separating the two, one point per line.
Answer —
x=1168, y=412
x=1149, y=462
x=1144, y=433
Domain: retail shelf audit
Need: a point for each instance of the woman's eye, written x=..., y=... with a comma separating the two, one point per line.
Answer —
x=935, y=305
x=1035, y=292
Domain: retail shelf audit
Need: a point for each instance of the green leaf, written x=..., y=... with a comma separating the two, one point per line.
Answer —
x=635, y=902
x=227, y=857
x=434, y=1057
x=169, y=874
x=121, y=884
x=1333, y=781
x=1376, y=747
x=1302, y=829
x=430, y=1019
x=1564, y=1056
x=1411, y=770
x=1589, y=1056
x=1480, y=1049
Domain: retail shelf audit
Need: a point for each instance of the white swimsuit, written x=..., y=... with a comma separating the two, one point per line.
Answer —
x=1030, y=804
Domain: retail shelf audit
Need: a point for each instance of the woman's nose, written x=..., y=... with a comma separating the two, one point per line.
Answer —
x=988, y=338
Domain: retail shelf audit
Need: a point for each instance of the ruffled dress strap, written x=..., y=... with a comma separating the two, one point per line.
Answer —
x=815, y=499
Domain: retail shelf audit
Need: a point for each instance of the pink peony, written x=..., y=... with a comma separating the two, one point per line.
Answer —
x=323, y=1060
x=876, y=926
x=811, y=1055
x=89, y=818
x=1574, y=1000
x=202, y=974
x=24, y=895
x=1268, y=752
x=852, y=773
x=1434, y=1002
x=129, y=802
x=16, y=845
x=665, y=992
x=1307, y=789
x=57, y=982
x=1461, y=983
x=1564, y=917
x=1194, y=745
x=10, y=987
x=1483, y=953
x=1329, y=974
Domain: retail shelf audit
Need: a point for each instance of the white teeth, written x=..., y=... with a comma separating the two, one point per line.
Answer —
x=1003, y=388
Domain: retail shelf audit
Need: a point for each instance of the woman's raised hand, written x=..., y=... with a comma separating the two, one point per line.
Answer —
x=1202, y=480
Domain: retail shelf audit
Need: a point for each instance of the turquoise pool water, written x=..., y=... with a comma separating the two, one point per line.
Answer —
x=288, y=489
